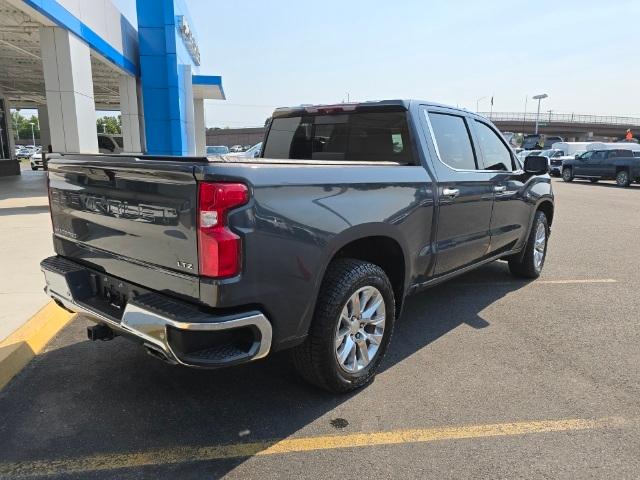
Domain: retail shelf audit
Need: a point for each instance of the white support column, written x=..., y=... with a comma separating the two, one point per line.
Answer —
x=189, y=119
x=200, y=128
x=69, y=87
x=43, y=121
x=130, y=114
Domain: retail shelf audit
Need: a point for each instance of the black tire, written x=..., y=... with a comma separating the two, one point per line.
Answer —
x=623, y=179
x=34, y=168
x=525, y=265
x=594, y=180
x=315, y=359
x=567, y=174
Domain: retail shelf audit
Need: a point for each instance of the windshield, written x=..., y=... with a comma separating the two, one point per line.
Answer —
x=220, y=150
x=344, y=136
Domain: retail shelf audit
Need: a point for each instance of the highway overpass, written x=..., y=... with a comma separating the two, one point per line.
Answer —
x=572, y=127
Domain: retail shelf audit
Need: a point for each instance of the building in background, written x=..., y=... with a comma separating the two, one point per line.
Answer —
x=69, y=59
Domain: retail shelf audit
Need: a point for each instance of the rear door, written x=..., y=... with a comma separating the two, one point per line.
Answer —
x=511, y=214
x=465, y=195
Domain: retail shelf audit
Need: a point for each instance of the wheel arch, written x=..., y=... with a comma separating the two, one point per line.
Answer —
x=380, y=244
x=546, y=206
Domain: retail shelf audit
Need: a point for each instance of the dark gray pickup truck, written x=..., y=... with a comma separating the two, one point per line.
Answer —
x=620, y=165
x=209, y=262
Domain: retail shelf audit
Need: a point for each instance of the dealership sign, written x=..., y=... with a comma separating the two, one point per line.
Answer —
x=189, y=39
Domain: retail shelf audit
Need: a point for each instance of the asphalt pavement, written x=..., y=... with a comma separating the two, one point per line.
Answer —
x=486, y=377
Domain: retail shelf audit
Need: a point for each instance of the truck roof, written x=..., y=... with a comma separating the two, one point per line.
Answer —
x=375, y=105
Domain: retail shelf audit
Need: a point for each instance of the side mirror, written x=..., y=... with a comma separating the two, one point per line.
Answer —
x=536, y=165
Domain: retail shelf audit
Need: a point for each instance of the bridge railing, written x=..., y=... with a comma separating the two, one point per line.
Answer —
x=561, y=118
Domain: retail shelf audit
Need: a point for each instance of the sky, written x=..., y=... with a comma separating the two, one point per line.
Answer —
x=287, y=52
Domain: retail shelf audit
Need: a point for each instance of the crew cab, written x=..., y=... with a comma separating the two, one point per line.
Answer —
x=312, y=247
x=620, y=165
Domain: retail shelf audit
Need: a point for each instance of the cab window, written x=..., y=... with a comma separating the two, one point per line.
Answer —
x=452, y=141
x=496, y=154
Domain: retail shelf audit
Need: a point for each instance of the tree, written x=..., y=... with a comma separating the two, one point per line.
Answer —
x=111, y=125
x=21, y=126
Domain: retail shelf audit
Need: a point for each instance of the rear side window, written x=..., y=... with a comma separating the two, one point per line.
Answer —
x=354, y=136
x=495, y=153
x=453, y=141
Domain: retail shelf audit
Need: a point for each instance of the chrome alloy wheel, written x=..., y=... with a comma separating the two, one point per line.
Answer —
x=360, y=329
x=539, y=245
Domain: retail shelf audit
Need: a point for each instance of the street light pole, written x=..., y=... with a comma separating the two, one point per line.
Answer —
x=540, y=97
x=33, y=135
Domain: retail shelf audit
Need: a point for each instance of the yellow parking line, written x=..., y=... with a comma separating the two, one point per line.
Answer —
x=591, y=280
x=178, y=454
x=21, y=346
x=538, y=282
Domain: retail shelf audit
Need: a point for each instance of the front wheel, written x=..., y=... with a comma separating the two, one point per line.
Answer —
x=34, y=168
x=351, y=327
x=622, y=178
x=530, y=263
x=567, y=175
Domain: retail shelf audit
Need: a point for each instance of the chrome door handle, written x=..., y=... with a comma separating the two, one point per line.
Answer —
x=450, y=192
x=500, y=189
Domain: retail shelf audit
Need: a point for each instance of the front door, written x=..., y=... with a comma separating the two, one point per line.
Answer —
x=594, y=164
x=465, y=195
x=581, y=167
x=511, y=214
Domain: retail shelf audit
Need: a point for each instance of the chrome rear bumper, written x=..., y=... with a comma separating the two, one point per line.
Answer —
x=145, y=319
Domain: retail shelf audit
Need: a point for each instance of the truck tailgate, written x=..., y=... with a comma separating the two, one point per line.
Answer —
x=134, y=209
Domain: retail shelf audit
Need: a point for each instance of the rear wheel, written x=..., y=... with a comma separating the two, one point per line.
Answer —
x=351, y=328
x=530, y=264
x=34, y=168
x=622, y=178
x=567, y=174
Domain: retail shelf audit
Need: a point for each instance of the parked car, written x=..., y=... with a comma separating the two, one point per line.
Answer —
x=217, y=150
x=634, y=147
x=619, y=165
x=553, y=157
x=252, y=152
x=312, y=247
x=570, y=149
x=25, y=153
x=509, y=137
x=110, y=144
x=527, y=153
x=535, y=141
x=36, y=160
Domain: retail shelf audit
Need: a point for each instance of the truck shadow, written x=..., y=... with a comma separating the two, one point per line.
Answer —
x=83, y=399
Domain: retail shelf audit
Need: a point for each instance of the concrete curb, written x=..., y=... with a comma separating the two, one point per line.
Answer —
x=21, y=346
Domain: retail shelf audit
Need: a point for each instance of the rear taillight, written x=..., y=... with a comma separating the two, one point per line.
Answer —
x=219, y=249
